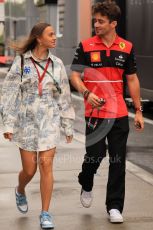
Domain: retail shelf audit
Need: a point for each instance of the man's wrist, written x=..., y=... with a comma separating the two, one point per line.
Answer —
x=86, y=93
x=139, y=109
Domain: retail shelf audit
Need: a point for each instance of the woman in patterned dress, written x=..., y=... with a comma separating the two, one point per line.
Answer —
x=35, y=102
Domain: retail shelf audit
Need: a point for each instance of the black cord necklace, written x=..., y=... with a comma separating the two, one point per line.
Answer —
x=41, y=59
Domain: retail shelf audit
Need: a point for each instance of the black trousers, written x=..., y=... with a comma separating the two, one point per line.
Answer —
x=116, y=131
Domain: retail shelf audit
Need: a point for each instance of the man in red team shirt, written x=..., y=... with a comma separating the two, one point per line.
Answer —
x=104, y=59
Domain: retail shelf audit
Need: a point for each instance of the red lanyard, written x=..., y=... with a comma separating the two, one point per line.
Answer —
x=41, y=77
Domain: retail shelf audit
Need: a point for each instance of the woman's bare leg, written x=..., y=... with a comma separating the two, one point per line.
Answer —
x=29, y=164
x=46, y=176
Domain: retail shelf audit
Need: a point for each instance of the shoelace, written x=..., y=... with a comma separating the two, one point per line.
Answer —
x=87, y=194
x=115, y=211
x=46, y=217
x=21, y=199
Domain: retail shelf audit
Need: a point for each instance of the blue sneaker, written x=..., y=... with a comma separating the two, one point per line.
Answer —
x=21, y=202
x=46, y=220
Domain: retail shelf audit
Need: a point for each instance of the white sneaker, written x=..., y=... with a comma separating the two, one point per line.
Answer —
x=86, y=198
x=115, y=216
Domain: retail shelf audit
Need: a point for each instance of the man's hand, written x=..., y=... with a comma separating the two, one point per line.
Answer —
x=93, y=100
x=138, y=121
x=69, y=139
x=8, y=136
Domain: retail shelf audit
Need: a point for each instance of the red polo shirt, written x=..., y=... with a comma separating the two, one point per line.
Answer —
x=103, y=69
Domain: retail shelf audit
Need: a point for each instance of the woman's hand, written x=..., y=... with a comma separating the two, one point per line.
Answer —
x=69, y=139
x=8, y=136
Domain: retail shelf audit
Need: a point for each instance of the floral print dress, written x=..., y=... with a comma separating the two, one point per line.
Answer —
x=35, y=120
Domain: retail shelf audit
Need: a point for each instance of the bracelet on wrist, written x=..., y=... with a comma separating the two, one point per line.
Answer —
x=86, y=94
x=139, y=109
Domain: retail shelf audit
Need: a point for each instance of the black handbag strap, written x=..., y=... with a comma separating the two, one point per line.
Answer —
x=22, y=65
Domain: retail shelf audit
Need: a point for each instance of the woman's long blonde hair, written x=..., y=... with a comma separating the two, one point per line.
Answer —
x=29, y=43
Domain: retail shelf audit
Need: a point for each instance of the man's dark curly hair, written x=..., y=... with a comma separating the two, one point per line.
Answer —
x=107, y=8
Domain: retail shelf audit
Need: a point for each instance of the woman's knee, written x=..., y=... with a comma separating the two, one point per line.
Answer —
x=45, y=166
x=29, y=162
x=46, y=161
x=30, y=172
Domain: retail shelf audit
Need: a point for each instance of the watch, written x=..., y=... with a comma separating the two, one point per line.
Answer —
x=86, y=93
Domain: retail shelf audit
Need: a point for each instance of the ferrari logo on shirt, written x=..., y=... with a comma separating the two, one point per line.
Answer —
x=122, y=45
x=95, y=57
